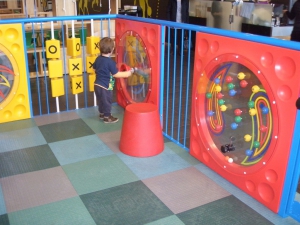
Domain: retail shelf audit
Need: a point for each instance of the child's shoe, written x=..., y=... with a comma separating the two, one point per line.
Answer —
x=110, y=119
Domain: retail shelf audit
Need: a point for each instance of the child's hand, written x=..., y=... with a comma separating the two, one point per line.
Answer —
x=132, y=70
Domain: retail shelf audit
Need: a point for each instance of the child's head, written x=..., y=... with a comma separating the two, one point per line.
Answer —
x=106, y=45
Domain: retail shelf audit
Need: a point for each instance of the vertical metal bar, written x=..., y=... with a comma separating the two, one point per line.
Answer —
x=187, y=89
x=85, y=79
x=36, y=68
x=65, y=64
x=180, y=90
x=101, y=26
x=168, y=84
x=27, y=72
x=108, y=27
x=174, y=82
x=44, y=68
x=162, y=73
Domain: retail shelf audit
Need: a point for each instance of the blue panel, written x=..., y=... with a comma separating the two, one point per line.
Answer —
x=288, y=206
x=295, y=211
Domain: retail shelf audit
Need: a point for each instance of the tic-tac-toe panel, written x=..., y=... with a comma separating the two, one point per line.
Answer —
x=243, y=112
x=138, y=46
x=14, y=99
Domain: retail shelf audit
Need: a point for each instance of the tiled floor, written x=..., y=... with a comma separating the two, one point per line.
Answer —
x=67, y=168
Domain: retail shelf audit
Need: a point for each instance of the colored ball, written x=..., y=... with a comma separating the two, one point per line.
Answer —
x=221, y=102
x=249, y=152
x=226, y=158
x=228, y=79
x=217, y=80
x=255, y=89
x=218, y=88
x=263, y=128
x=230, y=86
x=265, y=110
x=243, y=83
x=208, y=95
x=238, y=119
x=230, y=160
x=210, y=113
x=256, y=144
x=223, y=108
x=237, y=112
x=220, y=95
x=241, y=75
x=261, y=105
x=247, y=137
x=219, y=127
x=234, y=126
x=232, y=92
x=252, y=112
x=251, y=104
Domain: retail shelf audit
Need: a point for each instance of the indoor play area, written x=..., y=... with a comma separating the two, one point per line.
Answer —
x=229, y=99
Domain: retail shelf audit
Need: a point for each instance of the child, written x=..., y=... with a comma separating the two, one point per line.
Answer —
x=106, y=71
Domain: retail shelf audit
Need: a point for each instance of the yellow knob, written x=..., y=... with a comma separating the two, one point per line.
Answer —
x=252, y=112
x=223, y=108
x=218, y=88
x=241, y=75
x=255, y=89
x=247, y=137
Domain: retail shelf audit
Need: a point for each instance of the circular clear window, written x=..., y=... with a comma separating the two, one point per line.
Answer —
x=237, y=111
x=132, y=52
x=7, y=76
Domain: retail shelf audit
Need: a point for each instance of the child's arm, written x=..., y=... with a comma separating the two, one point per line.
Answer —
x=124, y=74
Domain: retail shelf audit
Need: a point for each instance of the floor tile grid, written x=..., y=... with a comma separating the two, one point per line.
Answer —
x=167, y=156
x=49, y=121
x=180, y=154
x=123, y=156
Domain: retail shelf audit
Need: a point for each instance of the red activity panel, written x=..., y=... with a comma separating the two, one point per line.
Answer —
x=136, y=44
x=243, y=112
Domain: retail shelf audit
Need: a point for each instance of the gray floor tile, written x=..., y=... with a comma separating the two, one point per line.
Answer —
x=37, y=188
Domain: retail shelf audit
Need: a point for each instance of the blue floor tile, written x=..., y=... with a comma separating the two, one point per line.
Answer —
x=20, y=139
x=165, y=162
x=79, y=149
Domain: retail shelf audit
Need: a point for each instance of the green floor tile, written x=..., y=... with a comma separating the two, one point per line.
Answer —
x=131, y=203
x=27, y=160
x=98, y=174
x=65, y=130
x=4, y=220
x=226, y=211
x=17, y=125
x=67, y=212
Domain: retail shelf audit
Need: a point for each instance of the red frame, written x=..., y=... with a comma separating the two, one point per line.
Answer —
x=151, y=37
x=279, y=74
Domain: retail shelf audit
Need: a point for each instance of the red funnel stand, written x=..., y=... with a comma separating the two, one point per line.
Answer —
x=141, y=134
